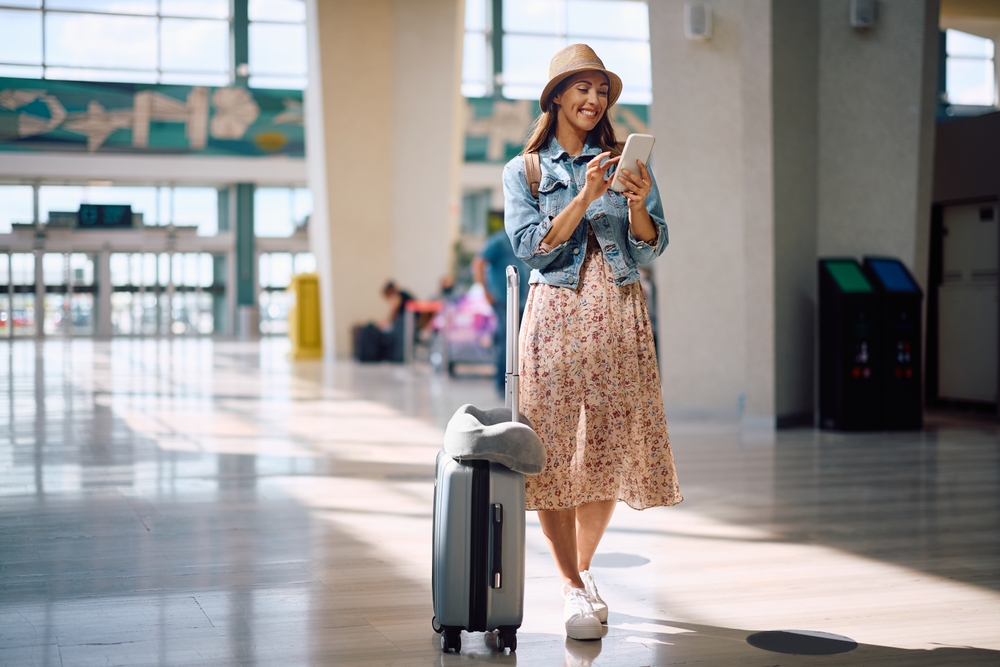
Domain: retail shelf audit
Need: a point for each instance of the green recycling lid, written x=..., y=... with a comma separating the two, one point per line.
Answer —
x=848, y=275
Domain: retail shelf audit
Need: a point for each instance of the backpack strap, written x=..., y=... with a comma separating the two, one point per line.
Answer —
x=533, y=172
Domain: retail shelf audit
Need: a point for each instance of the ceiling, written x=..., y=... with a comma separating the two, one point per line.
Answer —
x=977, y=17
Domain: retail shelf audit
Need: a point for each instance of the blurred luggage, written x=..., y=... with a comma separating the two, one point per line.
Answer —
x=369, y=343
x=465, y=331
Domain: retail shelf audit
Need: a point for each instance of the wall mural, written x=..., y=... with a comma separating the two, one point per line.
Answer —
x=46, y=115
x=78, y=116
x=495, y=129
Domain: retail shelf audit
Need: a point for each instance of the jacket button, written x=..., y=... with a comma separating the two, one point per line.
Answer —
x=576, y=251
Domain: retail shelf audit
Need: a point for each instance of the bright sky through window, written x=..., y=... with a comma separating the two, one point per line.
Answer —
x=970, y=69
x=533, y=30
x=183, y=42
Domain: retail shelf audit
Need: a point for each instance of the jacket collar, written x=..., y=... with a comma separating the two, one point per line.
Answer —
x=557, y=152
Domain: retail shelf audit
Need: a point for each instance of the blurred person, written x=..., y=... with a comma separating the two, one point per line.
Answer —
x=589, y=380
x=397, y=299
x=383, y=340
x=394, y=323
x=489, y=269
x=446, y=288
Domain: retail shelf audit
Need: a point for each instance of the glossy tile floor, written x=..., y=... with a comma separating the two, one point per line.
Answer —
x=194, y=502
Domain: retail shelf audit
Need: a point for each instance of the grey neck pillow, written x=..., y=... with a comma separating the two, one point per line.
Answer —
x=490, y=435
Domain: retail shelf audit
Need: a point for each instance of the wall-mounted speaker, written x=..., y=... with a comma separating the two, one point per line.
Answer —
x=697, y=21
x=863, y=14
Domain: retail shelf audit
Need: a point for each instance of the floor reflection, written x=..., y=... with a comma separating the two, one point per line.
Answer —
x=204, y=502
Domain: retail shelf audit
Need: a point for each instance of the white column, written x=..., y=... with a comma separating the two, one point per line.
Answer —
x=170, y=294
x=702, y=131
x=39, y=295
x=103, y=270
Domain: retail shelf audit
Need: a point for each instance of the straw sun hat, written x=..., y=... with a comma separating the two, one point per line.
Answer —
x=571, y=60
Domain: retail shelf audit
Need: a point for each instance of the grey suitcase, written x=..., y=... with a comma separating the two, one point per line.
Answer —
x=478, y=552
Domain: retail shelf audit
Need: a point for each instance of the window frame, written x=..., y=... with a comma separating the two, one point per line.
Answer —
x=967, y=58
x=44, y=11
x=495, y=32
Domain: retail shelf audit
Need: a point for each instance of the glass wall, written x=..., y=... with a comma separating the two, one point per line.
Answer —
x=278, y=212
x=156, y=294
x=151, y=41
x=69, y=294
x=970, y=69
x=17, y=294
x=181, y=206
x=16, y=206
x=143, y=41
x=532, y=32
x=275, y=271
x=152, y=293
x=277, y=44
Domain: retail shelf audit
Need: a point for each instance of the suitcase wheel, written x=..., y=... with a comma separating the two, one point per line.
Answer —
x=451, y=640
x=506, y=640
x=437, y=626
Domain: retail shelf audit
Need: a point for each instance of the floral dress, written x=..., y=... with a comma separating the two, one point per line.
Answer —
x=590, y=385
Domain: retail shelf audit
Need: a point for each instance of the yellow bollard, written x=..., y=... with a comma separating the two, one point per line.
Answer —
x=303, y=318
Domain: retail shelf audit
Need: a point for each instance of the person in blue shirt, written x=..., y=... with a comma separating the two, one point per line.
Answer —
x=489, y=269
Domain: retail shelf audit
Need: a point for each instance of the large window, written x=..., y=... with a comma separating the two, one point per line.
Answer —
x=533, y=30
x=279, y=212
x=17, y=205
x=277, y=44
x=151, y=41
x=145, y=41
x=180, y=206
x=970, y=70
x=477, y=58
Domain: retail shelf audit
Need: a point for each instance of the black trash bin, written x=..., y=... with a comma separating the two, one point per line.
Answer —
x=900, y=349
x=848, y=347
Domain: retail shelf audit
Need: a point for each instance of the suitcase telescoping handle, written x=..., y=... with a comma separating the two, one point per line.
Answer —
x=513, y=313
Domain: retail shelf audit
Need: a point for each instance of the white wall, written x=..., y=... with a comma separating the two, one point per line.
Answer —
x=876, y=123
x=711, y=116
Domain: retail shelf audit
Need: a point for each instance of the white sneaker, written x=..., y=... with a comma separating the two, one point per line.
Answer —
x=581, y=621
x=599, y=605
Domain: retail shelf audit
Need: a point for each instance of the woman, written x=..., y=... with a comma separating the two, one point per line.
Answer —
x=589, y=380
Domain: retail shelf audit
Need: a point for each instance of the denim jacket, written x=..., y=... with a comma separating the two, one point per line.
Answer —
x=528, y=220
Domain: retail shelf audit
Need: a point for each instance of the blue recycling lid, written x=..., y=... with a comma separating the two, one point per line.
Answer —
x=893, y=275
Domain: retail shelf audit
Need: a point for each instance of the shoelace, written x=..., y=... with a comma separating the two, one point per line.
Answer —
x=578, y=598
x=590, y=586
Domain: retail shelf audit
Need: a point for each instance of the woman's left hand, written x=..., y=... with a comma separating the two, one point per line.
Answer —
x=637, y=186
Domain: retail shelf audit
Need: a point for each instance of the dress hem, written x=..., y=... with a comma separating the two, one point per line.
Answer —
x=598, y=500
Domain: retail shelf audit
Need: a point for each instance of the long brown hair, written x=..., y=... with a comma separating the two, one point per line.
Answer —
x=544, y=127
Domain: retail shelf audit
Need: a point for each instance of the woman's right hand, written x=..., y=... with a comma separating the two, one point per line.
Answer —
x=597, y=184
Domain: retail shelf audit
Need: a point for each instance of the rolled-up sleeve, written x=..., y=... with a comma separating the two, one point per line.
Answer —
x=642, y=252
x=524, y=221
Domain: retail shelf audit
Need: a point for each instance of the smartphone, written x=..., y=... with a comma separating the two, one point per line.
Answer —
x=637, y=147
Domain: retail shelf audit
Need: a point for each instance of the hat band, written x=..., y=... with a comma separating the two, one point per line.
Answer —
x=588, y=64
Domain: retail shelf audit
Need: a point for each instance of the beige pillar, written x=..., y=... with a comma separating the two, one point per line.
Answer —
x=383, y=147
x=712, y=160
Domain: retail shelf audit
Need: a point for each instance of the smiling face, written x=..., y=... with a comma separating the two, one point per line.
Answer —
x=583, y=100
